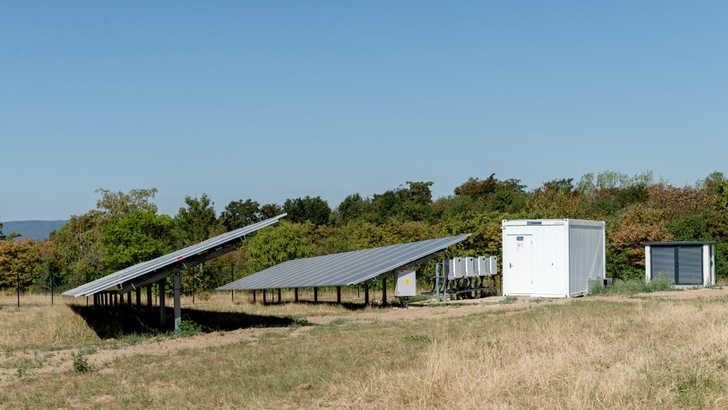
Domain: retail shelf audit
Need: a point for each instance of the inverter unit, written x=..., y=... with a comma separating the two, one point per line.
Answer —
x=469, y=267
x=493, y=265
x=487, y=266
x=483, y=266
x=406, y=284
x=447, y=267
x=458, y=267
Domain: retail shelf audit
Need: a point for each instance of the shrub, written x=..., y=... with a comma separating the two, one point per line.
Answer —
x=187, y=328
x=80, y=363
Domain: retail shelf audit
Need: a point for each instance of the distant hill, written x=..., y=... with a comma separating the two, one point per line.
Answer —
x=38, y=230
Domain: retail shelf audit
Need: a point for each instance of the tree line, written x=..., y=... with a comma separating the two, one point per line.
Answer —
x=126, y=228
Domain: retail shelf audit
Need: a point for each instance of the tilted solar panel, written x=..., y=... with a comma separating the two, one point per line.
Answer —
x=348, y=268
x=132, y=273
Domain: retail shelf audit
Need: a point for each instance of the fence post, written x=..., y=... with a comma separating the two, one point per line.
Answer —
x=18, y=289
x=51, y=288
x=232, y=292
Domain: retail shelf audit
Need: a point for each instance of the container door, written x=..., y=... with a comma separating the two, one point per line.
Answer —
x=689, y=265
x=520, y=274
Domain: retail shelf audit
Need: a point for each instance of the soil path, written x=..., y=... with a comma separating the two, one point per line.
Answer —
x=62, y=360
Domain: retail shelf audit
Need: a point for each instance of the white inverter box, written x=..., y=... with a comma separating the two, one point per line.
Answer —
x=406, y=284
x=458, y=268
x=552, y=257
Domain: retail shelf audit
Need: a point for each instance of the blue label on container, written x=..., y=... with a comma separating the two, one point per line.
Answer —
x=519, y=238
x=533, y=223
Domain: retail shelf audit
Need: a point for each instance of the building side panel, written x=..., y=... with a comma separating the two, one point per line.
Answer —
x=549, y=265
x=586, y=257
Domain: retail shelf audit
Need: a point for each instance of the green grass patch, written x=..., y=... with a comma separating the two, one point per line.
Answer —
x=632, y=286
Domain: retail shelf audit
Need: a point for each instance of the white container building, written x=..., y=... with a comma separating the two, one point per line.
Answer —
x=552, y=257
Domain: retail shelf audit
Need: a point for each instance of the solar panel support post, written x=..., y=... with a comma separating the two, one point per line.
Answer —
x=437, y=282
x=366, y=293
x=232, y=278
x=315, y=295
x=253, y=295
x=279, y=295
x=128, y=299
x=162, y=312
x=384, y=292
x=338, y=294
x=295, y=293
x=138, y=298
x=263, y=296
x=192, y=276
x=444, y=283
x=177, y=281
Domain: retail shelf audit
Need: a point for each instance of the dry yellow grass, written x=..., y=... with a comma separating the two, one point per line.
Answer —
x=592, y=353
x=584, y=355
x=42, y=328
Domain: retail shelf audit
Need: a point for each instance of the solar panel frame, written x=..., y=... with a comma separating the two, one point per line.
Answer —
x=342, y=269
x=155, y=265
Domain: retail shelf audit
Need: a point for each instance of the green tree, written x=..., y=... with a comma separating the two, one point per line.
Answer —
x=300, y=210
x=556, y=199
x=238, y=214
x=79, y=251
x=417, y=192
x=115, y=204
x=716, y=186
x=275, y=244
x=351, y=208
x=625, y=250
x=268, y=211
x=482, y=189
x=384, y=207
x=196, y=222
x=19, y=259
x=136, y=237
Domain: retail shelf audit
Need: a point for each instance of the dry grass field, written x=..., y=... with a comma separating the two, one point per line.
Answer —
x=664, y=350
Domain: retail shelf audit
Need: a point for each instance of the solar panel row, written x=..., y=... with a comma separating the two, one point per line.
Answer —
x=169, y=261
x=348, y=268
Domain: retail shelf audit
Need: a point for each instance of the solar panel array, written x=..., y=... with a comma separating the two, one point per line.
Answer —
x=141, y=269
x=348, y=268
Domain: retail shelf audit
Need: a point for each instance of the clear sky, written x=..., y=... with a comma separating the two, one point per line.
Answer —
x=272, y=100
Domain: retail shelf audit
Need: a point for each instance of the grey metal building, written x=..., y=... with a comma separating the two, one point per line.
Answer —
x=682, y=263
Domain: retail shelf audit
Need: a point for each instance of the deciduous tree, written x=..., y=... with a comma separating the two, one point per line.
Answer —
x=238, y=214
x=195, y=222
x=300, y=210
x=136, y=237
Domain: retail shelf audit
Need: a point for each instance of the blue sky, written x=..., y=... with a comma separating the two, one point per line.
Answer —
x=272, y=100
